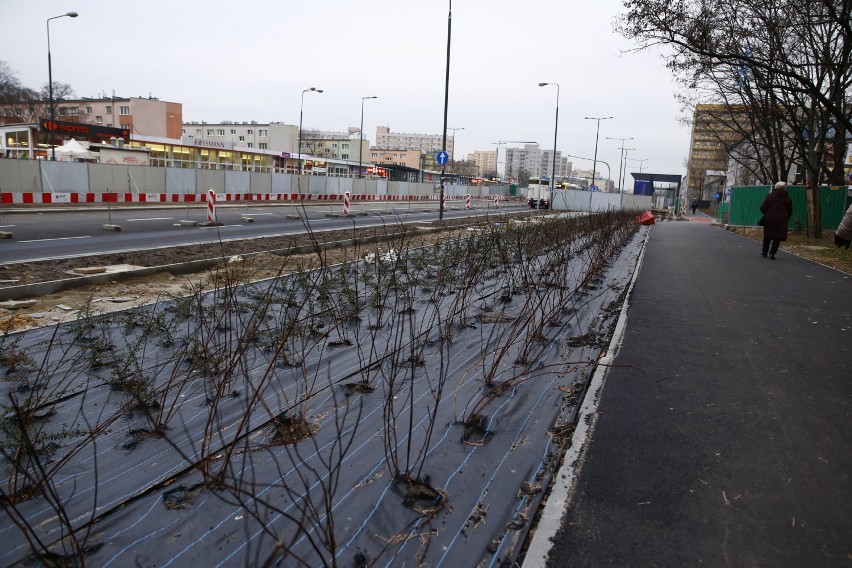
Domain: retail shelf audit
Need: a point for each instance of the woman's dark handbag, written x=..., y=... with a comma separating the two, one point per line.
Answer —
x=762, y=220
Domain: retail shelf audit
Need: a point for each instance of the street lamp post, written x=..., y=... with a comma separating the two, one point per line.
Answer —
x=361, y=132
x=636, y=160
x=595, y=161
x=620, y=161
x=446, y=105
x=301, y=108
x=555, y=128
x=50, y=81
x=453, y=153
x=625, y=150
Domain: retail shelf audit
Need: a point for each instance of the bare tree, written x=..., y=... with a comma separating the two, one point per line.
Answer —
x=795, y=57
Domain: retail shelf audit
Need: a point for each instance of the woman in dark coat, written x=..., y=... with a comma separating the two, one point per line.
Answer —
x=777, y=209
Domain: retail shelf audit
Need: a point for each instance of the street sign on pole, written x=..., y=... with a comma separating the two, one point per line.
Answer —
x=442, y=158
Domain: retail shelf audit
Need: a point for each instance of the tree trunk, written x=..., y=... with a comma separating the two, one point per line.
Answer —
x=812, y=192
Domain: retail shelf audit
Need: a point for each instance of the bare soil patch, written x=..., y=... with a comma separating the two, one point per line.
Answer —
x=241, y=261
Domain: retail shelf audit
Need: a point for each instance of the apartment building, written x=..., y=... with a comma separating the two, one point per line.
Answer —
x=387, y=140
x=563, y=166
x=402, y=157
x=485, y=160
x=252, y=135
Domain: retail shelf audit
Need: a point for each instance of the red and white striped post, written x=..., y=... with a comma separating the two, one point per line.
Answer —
x=346, y=197
x=467, y=202
x=211, y=206
x=496, y=202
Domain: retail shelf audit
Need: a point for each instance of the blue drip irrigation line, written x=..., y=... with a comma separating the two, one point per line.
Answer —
x=518, y=433
x=470, y=453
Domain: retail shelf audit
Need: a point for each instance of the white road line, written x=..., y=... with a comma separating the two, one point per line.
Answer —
x=221, y=226
x=153, y=219
x=6, y=226
x=56, y=239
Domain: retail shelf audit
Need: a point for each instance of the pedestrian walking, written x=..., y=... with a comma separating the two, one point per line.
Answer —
x=777, y=209
x=843, y=234
x=694, y=205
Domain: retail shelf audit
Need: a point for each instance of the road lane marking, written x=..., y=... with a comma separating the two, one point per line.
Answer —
x=56, y=239
x=153, y=219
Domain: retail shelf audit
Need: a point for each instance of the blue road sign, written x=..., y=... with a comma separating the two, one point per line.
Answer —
x=442, y=158
x=593, y=188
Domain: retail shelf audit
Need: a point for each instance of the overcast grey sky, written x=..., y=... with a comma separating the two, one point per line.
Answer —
x=250, y=60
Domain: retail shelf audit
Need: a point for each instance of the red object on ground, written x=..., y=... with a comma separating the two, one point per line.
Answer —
x=646, y=218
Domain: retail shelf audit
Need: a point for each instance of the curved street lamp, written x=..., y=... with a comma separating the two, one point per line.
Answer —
x=608, y=170
x=301, y=108
x=50, y=81
x=595, y=161
x=361, y=132
x=555, y=127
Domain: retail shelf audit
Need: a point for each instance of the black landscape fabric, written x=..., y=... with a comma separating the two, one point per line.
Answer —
x=408, y=407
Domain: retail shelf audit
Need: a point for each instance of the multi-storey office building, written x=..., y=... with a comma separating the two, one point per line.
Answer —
x=714, y=130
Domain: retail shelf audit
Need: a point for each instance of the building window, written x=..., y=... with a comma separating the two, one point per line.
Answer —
x=250, y=145
x=344, y=156
x=124, y=110
x=99, y=119
x=344, y=146
x=250, y=132
x=220, y=132
x=209, y=132
x=262, y=145
x=108, y=110
x=263, y=132
x=125, y=126
x=242, y=138
x=88, y=110
x=233, y=131
x=198, y=131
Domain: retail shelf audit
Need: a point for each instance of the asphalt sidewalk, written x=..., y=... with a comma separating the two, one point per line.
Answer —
x=723, y=431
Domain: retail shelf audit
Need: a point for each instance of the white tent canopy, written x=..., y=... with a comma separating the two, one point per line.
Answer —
x=74, y=150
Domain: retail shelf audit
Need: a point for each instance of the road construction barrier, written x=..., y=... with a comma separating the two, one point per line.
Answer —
x=346, y=197
x=211, y=206
x=496, y=202
x=467, y=202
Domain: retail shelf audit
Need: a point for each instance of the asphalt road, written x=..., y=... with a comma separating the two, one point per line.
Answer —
x=722, y=434
x=41, y=234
